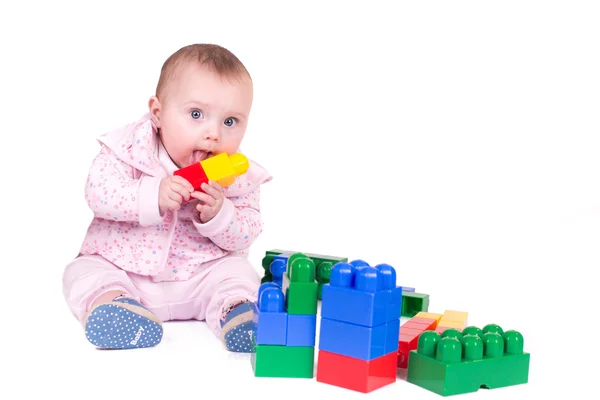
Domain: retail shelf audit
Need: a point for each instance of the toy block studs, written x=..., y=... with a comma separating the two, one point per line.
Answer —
x=323, y=265
x=360, y=325
x=457, y=362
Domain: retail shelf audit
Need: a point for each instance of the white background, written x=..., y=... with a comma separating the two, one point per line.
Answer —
x=457, y=141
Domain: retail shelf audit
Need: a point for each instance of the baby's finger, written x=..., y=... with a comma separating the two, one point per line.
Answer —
x=211, y=190
x=216, y=186
x=175, y=196
x=183, y=182
x=173, y=205
x=182, y=190
x=204, y=198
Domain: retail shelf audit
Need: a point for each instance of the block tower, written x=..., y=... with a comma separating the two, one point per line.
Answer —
x=285, y=319
x=360, y=325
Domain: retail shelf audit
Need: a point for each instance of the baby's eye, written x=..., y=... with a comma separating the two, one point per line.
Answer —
x=196, y=114
x=230, y=121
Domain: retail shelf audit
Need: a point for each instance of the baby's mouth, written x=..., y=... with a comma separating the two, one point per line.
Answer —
x=200, y=155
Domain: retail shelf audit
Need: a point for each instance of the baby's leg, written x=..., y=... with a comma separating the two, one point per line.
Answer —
x=231, y=288
x=106, y=302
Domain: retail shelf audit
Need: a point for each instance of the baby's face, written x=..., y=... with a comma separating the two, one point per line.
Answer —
x=203, y=115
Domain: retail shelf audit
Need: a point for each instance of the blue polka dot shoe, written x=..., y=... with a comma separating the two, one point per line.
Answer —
x=123, y=324
x=236, y=329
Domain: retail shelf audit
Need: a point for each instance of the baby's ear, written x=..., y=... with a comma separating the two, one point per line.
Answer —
x=154, y=107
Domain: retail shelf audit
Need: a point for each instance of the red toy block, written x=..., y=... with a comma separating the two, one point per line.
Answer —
x=194, y=174
x=355, y=374
x=409, y=335
x=441, y=329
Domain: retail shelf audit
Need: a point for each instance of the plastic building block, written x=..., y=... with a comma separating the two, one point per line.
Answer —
x=323, y=265
x=452, y=319
x=301, y=330
x=355, y=374
x=462, y=362
x=283, y=361
x=277, y=270
x=408, y=289
x=323, y=276
x=270, y=321
x=410, y=331
x=356, y=341
x=412, y=303
x=360, y=325
x=372, y=290
x=300, y=287
x=222, y=168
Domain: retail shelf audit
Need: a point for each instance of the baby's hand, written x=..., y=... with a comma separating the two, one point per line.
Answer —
x=210, y=202
x=171, y=193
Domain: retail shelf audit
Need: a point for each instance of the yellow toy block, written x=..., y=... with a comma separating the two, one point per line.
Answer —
x=451, y=324
x=458, y=316
x=454, y=319
x=428, y=315
x=223, y=169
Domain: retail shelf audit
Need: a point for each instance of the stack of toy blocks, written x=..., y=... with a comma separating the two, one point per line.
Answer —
x=360, y=324
x=284, y=325
x=409, y=334
x=323, y=265
x=456, y=362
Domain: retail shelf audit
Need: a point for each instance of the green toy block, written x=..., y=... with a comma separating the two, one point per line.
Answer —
x=317, y=259
x=283, y=361
x=266, y=264
x=413, y=303
x=266, y=278
x=300, y=287
x=462, y=362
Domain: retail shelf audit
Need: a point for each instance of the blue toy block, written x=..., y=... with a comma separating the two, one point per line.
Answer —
x=283, y=257
x=362, y=295
x=359, y=263
x=365, y=343
x=269, y=322
x=302, y=330
x=408, y=289
x=395, y=305
x=277, y=268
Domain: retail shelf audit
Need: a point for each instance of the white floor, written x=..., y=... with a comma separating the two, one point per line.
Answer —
x=188, y=364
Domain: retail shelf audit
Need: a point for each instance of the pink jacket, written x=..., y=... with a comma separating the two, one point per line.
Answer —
x=127, y=229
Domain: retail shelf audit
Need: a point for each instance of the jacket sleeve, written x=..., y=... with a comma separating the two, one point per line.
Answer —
x=238, y=223
x=117, y=191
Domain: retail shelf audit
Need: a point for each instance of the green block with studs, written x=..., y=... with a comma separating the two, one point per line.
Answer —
x=300, y=287
x=283, y=361
x=458, y=362
x=323, y=264
x=413, y=303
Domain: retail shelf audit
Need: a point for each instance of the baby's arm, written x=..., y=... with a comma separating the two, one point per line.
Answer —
x=116, y=191
x=237, y=224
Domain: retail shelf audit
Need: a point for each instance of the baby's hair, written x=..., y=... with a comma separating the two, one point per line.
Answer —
x=216, y=58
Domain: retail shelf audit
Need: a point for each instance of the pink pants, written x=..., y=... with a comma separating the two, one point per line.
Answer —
x=217, y=285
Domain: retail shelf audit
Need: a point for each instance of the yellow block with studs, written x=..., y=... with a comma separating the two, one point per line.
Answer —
x=224, y=169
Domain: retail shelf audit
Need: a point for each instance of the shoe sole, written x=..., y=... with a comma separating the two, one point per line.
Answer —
x=119, y=325
x=238, y=338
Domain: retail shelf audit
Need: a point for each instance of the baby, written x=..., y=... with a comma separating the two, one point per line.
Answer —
x=156, y=249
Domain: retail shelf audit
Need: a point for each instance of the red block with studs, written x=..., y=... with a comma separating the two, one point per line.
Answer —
x=409, y=335
x=356, y=374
